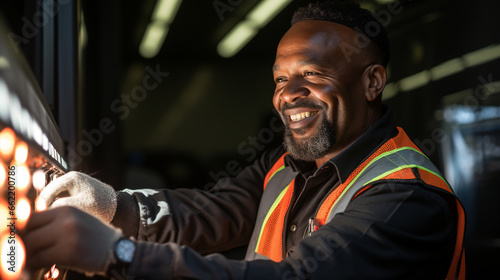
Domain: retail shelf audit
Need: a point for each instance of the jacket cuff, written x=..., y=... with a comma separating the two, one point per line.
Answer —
x=268, y=270
x=127, y=214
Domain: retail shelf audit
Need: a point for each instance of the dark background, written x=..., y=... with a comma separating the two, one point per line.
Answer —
x=212, y=115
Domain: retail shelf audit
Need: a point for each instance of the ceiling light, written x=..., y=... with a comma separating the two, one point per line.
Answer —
x=482, y=55
x=165, y=10
x=153, y=39
x=236, y=39
x=415, y=81
x=447, y=68
x=265, y=11
x=156, y=31
x=244, y=31
x=390, y=91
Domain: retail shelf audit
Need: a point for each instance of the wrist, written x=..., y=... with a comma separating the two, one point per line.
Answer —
x=127, y=214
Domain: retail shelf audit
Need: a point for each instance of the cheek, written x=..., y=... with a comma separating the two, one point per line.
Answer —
x=277, y=105
x=276, y=101
x=334, y=102
x=328, y=95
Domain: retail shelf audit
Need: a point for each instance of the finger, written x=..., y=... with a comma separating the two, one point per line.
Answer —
x=80, y=202
x=51, y=236
x=68, y=201
x=40, y=236
x=39, y=219
x=40, y=239
x=56, y=187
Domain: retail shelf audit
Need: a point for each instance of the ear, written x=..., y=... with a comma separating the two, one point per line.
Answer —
x=375, y=79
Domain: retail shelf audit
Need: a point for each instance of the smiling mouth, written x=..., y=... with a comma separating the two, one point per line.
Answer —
x=301, y=116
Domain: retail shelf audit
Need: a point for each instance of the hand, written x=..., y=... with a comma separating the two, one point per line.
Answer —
x=67, y=236
x=85, y=193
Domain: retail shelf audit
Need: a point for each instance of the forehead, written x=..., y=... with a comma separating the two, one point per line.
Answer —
x=315, y=40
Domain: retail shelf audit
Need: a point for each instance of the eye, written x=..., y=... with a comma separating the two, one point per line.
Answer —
x=279, y=80
x=310, y=73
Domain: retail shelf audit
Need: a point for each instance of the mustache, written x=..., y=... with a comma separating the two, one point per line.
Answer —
x=303, y=103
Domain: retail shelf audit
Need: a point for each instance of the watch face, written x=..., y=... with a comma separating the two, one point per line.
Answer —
x=125, y=249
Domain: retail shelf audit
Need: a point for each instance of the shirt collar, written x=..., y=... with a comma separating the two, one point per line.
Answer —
x=351, y=157
x=305, y=168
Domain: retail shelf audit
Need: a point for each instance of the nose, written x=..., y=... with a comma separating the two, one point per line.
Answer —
x=294, y=89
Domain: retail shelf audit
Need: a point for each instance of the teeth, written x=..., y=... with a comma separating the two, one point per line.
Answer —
x=301, y=116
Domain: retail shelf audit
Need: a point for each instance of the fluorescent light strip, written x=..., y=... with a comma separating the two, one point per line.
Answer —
x=265, y=11
x=390, y=90
x=236, y=39
x=165, y=10
x=443, y=70
x=415, y=81
x=153, y=39
x=246, y=30
x=156, y=31
x=482, y=55
x=447, y=68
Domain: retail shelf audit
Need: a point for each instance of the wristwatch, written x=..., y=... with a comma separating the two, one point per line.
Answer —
x=124, y=249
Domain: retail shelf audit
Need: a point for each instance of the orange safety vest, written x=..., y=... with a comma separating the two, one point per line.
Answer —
x=396, y=159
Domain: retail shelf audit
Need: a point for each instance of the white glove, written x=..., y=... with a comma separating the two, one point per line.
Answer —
x=85, y=193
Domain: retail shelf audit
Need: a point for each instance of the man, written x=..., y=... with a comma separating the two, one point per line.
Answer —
x=349, y=196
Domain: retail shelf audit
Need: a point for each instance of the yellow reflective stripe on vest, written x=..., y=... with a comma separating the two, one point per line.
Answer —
x=277, y=170
x=403, y=167
x=368, y=165
x=362, y=174
x=271, y=210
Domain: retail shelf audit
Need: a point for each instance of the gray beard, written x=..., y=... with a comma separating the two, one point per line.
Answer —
x=313, y=148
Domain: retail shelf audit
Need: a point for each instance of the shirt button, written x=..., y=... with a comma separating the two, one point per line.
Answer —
x=293, y=228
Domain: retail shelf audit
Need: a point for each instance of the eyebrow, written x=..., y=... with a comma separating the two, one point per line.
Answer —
x=301, y=63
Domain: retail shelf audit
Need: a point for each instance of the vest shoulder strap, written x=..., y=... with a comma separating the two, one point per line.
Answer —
x=278, y=166
x=382, y=167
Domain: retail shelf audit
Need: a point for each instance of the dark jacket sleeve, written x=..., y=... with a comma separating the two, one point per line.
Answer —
x=212, y=220
x=390, y=231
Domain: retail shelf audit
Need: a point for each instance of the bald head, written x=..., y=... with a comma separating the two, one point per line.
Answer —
x=372, y=36
x=336, y=42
